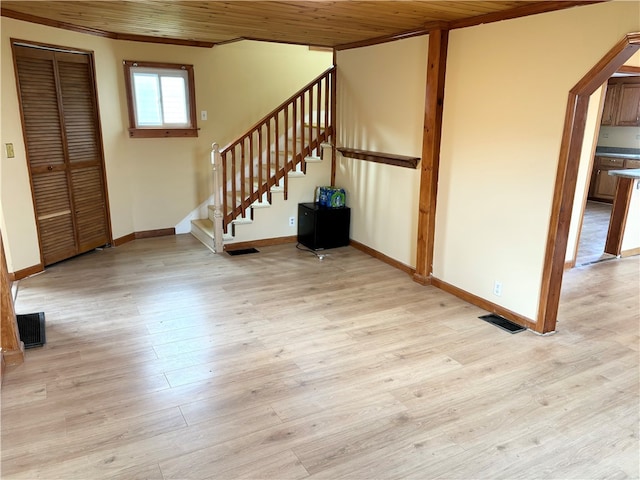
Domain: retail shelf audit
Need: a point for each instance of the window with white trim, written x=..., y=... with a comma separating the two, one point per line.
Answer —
x=161, y=99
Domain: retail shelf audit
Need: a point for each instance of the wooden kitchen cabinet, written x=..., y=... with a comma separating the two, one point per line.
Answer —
x=610, y=103
x=603, y=186
x=622, y=102
x=629, y=106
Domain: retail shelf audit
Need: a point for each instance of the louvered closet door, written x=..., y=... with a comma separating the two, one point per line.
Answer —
x=63, y=150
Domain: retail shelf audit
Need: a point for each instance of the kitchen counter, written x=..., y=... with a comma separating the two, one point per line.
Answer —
x=633, y=173
x=616, y=152
x=623, y=237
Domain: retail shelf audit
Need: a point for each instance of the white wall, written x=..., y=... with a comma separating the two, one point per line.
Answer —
x=381, y=92
x=152, y=183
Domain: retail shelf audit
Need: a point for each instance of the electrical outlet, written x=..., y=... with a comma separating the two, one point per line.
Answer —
x=292, y=221
x=497, y=288
x=637, y=137
x=605, y=135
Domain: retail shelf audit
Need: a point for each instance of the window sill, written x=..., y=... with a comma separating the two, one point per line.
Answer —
x=162, y=132
x=386, y=158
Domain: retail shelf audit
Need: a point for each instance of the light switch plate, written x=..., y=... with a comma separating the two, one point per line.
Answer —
x=203, y=115
x=9, y=148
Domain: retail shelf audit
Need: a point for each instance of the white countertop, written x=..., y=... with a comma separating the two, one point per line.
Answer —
x=627, y=173
x=630, y=156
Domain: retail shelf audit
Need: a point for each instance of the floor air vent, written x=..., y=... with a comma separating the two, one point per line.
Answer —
x=242, y=251
x=502, y=323
x=31, y=328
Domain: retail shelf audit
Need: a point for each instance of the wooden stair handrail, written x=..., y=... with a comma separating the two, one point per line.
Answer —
x=279, y=108
x=240, y=184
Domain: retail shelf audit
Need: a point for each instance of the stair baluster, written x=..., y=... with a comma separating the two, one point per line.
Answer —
x=291, y=132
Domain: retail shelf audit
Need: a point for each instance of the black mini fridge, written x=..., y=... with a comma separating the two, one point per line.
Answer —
x=323, y=227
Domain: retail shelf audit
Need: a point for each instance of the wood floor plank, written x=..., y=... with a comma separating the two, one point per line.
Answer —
x=164, y=360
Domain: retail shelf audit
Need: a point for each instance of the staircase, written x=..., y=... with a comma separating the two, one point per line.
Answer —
x=259, y=163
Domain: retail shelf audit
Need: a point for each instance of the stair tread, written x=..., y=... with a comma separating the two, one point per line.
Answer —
x=206, y=226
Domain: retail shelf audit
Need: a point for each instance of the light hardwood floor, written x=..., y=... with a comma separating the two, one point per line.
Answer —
x=593, y=235
x=165, y=361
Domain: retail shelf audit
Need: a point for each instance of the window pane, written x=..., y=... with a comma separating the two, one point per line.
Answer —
x=147, y=97
x=174, y=101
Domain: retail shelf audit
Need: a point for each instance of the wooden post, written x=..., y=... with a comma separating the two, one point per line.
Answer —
x=216, y=162
x=12, y=346
x=436, y=66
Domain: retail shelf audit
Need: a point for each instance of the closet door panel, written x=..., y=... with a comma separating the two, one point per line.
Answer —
x=41, y=116
x=62, y=135
x=54, y=216
x=90, y=208
x=85, y=159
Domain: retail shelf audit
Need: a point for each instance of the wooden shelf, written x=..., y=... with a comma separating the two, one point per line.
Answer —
x=388, y=158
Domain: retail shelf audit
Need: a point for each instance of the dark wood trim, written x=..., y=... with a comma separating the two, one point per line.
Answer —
x=48, y=46
x=25, y=17
x=26, y=272
x=621, y=202
x=624, y=80
x=100, y=139
x=12, y=345
x=162, y=132
x=315, y=48
x=630, y=252
x=163, y=41
x=594, y=145
x=517, y=12
x=482, y=303
x=379, y=157
x=630, y=69
x=565, y=186
x=382, y=257
x=264, y=242
x=15, y=356
x=269, y=40
x=161, y=232
x=122, y=240
x=392, y=38
x=431, y=137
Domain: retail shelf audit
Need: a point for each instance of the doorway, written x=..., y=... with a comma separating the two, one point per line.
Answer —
x=593, y=234
x=59, y=110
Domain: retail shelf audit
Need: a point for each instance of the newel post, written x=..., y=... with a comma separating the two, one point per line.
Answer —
x=216, y=162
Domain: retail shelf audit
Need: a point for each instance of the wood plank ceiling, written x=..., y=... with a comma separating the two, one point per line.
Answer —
x=319, y=22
